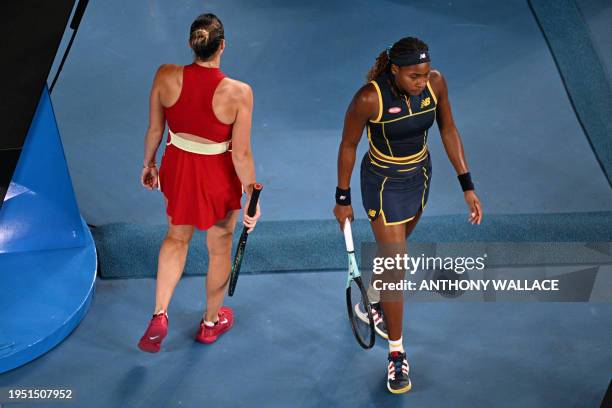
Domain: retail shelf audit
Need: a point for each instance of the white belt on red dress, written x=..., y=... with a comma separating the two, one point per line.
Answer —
x=197, y=147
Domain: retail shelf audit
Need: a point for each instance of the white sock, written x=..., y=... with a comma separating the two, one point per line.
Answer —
x=396, y=345
x=160, y=312
x=210, y=324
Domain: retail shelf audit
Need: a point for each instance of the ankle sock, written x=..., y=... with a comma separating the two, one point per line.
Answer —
x=210, y=324
x=396, y=345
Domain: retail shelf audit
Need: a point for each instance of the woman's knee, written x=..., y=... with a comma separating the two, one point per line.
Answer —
x=219, y=242
x=412, y=224
x=388, y=234
x=180, y=234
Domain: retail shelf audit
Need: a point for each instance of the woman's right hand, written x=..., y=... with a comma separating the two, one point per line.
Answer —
x=248, y=221
x=342, y=212
x=149, y=178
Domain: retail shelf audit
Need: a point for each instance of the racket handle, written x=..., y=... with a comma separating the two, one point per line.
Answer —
x=254, y=199
x=348, y=236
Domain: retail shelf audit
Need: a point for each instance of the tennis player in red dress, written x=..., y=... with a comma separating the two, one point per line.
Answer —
x=206, y=166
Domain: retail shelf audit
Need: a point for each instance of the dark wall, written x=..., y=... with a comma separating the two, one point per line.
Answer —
x=30, y=34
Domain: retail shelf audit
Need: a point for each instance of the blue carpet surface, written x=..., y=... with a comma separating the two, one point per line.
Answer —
x=597, y=15
x=582, y=71
x=461, y=354
x=523, y=143
x=130, y=250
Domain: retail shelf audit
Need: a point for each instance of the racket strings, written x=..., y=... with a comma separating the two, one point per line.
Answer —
x=359, y=302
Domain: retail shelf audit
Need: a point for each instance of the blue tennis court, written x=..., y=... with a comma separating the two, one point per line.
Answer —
x=534, y=168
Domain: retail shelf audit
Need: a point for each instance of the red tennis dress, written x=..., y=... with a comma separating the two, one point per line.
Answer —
x=200, y=189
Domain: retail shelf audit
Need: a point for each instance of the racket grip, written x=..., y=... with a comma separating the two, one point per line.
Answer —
x=348, y=236
x=254, y=199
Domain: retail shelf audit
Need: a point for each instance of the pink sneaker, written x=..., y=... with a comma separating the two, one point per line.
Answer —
x=157, y=330
x=208, y=334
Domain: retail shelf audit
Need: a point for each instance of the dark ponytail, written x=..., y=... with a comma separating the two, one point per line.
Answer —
x=205, y=36
x=383, y=61
x=381, y=65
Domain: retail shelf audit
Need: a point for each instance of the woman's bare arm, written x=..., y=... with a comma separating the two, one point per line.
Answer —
x=157, y=119
x=242, y=155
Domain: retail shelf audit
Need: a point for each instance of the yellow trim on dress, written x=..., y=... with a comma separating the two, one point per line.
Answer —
x=412, y=159
x=387, y=140
x=392, y=159
x=408, y=104
x=382, y=211
x=379, y=165
x=371, y=142
x=380, y=101
x=432, y=93
x=404, y=117
x=424, y=188
x=382, y=188
x=399, y=160
x=380, y=162
x=396, y=222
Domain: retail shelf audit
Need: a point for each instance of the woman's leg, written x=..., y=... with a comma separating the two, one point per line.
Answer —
x=410, y=225
x=391, y=240
x=219, y=243
x=394, y=239
x=172, y=256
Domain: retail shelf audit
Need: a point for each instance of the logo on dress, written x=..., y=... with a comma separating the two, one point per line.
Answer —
x=395, y=109
x=425, y=102
x=372, y=213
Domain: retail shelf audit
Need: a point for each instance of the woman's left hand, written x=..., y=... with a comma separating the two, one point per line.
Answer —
x=474, y=205
x=250, y=222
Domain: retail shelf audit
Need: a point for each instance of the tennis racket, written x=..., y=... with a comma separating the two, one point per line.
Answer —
x=357, y=301
x=243, y=240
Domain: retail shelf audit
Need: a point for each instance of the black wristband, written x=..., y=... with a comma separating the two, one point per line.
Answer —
x=343, y=197
x=465, y=180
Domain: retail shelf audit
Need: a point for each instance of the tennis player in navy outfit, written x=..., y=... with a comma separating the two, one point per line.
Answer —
x=397, y=107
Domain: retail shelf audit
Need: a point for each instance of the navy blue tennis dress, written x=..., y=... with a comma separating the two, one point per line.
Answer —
x=396, y=170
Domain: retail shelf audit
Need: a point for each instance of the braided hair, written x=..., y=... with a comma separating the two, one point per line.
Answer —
x=205, y=36
x=404, y=46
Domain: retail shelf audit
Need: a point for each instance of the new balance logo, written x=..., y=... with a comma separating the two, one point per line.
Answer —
x=425, y=102
x=423, y=56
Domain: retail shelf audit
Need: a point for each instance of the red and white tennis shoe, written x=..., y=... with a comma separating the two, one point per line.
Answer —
x=209, y=334
x=155, y=333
